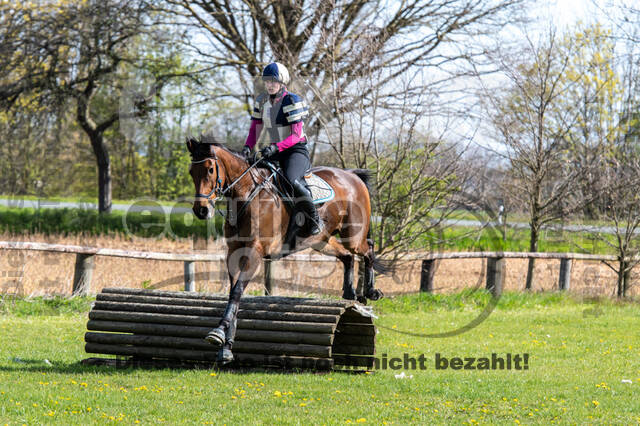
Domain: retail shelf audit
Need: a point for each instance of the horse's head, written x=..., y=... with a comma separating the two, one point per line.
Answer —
x=208, y=174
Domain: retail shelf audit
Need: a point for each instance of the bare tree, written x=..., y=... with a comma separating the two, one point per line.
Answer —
x=415, y=163
x=531, y=122
x=332, y=44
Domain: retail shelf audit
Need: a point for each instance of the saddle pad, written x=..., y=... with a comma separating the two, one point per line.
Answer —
x=320, y=190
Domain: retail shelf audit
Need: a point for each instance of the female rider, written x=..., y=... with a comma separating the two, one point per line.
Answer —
x=281, y=113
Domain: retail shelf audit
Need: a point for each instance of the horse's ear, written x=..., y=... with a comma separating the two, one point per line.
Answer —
x=191, y=143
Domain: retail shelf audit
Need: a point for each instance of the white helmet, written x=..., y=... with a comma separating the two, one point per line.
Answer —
x=275, y=71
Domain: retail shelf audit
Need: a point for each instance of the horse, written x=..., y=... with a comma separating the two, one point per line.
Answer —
x=258, y=220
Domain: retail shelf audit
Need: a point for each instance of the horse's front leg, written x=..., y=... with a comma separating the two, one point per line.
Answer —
x=242, y=262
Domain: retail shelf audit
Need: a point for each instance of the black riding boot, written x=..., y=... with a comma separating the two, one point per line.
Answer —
x=304, y=202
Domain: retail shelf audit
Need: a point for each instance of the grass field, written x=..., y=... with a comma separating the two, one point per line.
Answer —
x=584, y=367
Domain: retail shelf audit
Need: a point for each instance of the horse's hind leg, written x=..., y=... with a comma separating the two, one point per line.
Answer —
x=333, y=247
x=370, y=292
x=348, y=291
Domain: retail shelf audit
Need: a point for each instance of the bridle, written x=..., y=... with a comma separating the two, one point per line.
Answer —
x=218, y=189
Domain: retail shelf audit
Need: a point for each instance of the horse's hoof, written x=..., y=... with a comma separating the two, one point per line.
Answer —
x=362, y=299
x=216, y=336
x=375, y=294
x=349, y=296
x=225, y=356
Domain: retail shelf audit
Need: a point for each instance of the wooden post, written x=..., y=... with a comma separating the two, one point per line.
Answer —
x=495, y=275
x=564, y=280
x=85, y=263
x=189, y=276
x=268, y=279
x=426, y=275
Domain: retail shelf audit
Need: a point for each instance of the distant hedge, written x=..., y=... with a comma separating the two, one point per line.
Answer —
x=70, y=221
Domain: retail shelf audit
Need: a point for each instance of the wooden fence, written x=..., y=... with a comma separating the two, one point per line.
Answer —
x=495, y=273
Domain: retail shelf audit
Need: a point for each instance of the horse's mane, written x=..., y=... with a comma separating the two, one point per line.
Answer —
x=203, y=146
x=203, y=149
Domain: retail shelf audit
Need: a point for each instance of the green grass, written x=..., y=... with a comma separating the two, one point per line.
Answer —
x=462, y=238
x=158, y=225
x=576, y=370
x=144, y=202
x=89, y=222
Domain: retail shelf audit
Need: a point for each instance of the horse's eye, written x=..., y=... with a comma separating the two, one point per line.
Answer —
x=210, y=170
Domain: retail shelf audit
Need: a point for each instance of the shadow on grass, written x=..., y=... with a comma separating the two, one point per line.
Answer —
x=113, y=365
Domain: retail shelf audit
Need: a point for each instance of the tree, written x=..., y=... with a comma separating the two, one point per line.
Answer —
x=595, y=92
x=334, y=44
x=78, y=51
x=531, y=122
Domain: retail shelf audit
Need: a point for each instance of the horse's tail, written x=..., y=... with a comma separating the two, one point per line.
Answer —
x=365, y=176
x=378, y=266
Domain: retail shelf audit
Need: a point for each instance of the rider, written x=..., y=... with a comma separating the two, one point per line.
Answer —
x=281, y=113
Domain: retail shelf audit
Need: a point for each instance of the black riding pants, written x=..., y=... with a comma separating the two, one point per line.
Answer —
x=294, y=161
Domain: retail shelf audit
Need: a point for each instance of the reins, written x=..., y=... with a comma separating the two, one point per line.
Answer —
x=220, y=191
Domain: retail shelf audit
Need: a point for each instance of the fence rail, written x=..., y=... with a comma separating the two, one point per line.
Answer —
x=85, y=257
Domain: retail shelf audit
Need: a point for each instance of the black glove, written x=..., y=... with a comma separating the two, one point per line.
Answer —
x=246, y=153
x=269, y=151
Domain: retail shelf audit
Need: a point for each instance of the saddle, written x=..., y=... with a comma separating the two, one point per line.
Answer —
x=321, y=191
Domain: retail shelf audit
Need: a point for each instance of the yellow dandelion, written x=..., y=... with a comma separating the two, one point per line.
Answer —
x=361, y=420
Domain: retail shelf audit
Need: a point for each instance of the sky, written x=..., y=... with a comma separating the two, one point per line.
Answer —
x=567, y=12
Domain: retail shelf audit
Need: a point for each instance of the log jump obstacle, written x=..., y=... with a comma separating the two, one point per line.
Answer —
x=166, y=327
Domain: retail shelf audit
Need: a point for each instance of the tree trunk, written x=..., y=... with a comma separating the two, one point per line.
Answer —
x=96, y=136
x=623, y=279
x=104, y=172
x=533, y=247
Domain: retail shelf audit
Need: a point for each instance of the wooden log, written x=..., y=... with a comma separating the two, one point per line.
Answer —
x=249, y=299
x=241, y=359
x=352, y=328
x=355, y=317
x=495, y=275
x=204, y=321
x=279, y=361
x=353, y=350
x=203, y=345
x=291, y=333
x=214, y=312
x=189, y=274
x=326, y=310
x=201, y=332
x=564, y=280
x=426, y=275
x=353, y=339
x=85, y=264
x=353, y=360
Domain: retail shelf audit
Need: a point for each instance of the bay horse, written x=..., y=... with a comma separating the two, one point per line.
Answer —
x=258, y=220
